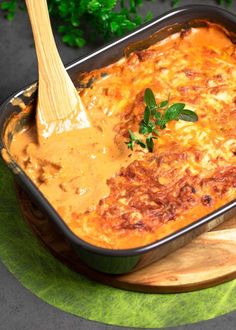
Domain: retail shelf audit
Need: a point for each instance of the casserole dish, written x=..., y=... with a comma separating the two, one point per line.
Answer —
x=123, y=260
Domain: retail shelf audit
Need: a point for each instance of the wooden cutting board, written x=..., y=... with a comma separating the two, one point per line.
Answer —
x=208, y=260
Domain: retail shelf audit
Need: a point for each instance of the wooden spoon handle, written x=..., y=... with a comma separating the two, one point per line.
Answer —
x=59, y=105
x=43, y=36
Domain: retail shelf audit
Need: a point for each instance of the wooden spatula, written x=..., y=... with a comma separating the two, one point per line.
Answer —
x=59, y=106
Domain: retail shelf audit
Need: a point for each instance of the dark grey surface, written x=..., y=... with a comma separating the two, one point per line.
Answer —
x=19, y=308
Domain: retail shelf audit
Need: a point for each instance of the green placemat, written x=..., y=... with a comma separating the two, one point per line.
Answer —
x=53, y=282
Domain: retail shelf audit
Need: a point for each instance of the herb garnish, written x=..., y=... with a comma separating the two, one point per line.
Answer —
x=94, y=19
x=156, y=116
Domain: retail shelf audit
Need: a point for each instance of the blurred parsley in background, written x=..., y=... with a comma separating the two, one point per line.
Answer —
x=80, y=21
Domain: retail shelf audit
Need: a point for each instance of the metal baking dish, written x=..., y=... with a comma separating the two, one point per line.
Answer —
x=106, y=260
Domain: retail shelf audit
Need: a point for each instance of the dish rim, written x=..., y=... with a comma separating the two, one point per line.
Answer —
x=49, y=209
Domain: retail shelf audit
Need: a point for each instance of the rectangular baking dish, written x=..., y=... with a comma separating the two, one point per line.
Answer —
x=101, y=259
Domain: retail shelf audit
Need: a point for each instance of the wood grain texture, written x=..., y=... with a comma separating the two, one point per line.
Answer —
x=208, y=260
x=59, y=106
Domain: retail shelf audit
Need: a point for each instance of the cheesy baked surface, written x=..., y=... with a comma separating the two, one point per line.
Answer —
x=116, y=198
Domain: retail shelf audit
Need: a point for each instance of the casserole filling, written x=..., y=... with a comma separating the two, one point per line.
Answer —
x=113, y=197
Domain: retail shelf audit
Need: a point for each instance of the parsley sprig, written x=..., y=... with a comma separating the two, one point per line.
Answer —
x=155, y=117
x=79, y=20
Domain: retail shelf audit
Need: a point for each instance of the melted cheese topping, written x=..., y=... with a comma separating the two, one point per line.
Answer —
x=113, y=198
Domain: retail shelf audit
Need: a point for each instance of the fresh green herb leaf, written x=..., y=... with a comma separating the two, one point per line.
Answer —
x=225, y=2
x=133, y=139
x=164, y=104
x=188, y=115
x=10, y=8
x=173, y=112
x=157, y=115
x=143, y=129
x=154, y=119
x=140, y=143
x=151, y=126
x=132, y=136
x=175, y=3
x=149, y=99
x=150, y=144
x=156, y=132
x=147, y=114
x=161, y=123
x=96, y=19
x=148, y=17
x=131, y=142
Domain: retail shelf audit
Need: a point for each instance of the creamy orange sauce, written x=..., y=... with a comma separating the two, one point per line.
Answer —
x=72, y=168
x=80, y=172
